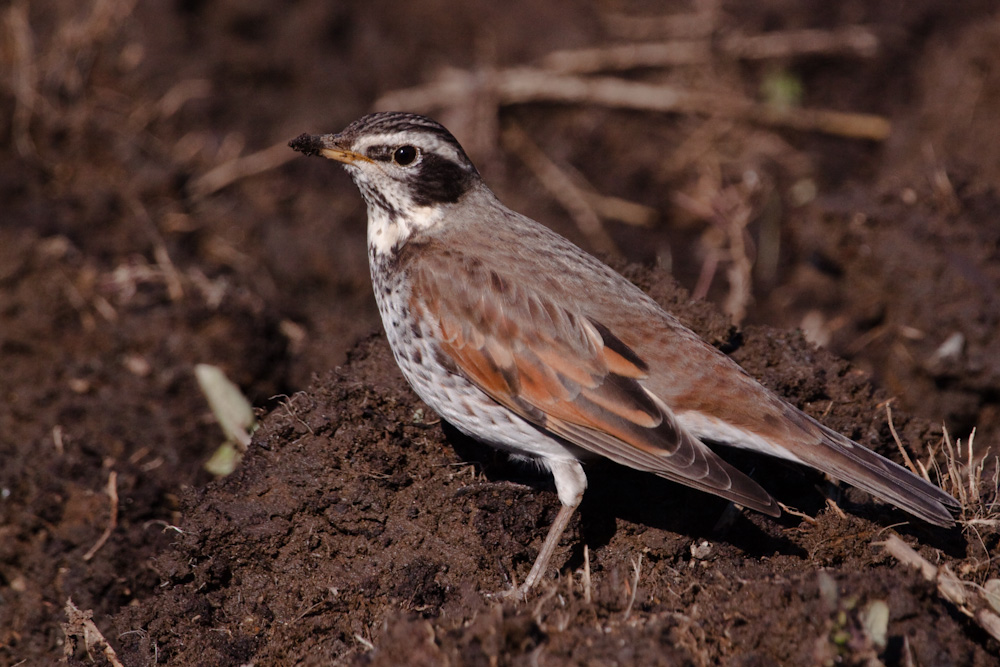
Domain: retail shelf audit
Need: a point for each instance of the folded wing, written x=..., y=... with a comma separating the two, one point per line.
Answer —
x=568, y=375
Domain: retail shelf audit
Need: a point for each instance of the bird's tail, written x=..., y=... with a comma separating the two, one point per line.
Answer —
x=850, y=462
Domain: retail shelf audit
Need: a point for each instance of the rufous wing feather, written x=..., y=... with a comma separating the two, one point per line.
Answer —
x=568, y=375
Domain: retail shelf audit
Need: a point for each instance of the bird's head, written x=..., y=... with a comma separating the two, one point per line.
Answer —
x=408, y=167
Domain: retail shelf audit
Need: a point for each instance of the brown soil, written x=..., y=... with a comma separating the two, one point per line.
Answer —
x=358, y=528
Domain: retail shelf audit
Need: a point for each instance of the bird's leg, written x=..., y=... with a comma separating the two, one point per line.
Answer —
x=548, y=548
x=571, y=482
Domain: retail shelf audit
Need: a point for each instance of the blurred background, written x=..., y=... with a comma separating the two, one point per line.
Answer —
x=803, y=164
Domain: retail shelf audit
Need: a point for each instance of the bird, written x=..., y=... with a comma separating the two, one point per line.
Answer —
x=523, y=341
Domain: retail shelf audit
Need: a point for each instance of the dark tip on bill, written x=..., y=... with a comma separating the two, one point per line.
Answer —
x=307, y=144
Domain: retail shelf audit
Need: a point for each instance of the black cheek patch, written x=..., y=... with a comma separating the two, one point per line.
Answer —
x=441, y=181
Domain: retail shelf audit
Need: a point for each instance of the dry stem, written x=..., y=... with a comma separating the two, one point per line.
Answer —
x=112, y=520
x=636, y=571
x=899, y=443
x=247, y=165
x=949, y=585
x=79, y=626
x=856, y=40
x=561, y=186
x=527, y=85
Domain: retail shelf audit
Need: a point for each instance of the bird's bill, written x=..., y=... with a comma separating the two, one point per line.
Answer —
x=326, y=145
x=342, y=155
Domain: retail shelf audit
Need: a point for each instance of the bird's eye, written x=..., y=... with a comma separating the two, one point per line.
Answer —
x=404, y=155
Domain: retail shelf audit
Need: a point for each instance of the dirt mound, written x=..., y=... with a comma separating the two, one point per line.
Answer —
x=358, y=520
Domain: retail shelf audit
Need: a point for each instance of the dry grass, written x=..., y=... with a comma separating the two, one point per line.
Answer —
x=973, y=479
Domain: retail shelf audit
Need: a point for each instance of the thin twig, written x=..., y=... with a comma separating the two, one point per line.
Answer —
x=689, y=25
x=923, y=470
x=171, y=277
x=629, y=56
x=112, y=520
x=170, y=103
x=57, y=439
x=853, y=39
x=856, y=40
x=899, y=443
x=80, y=625
x=239, y=168
x=527, y=85
x=794, y=512
x=554, y=179
x=175, y=288
x=23, y=75
x=973, y=477
x=622, y=210
x=832, y=504
x=586, y=575
x=950, y=461
x=636, y=571
x=575, y=186
x=949, y=585
x=932, y=463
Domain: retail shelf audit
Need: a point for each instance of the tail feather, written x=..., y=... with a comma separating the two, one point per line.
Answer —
x=848, y=461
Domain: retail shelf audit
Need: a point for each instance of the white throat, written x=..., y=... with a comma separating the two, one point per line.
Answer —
x=386, y=233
